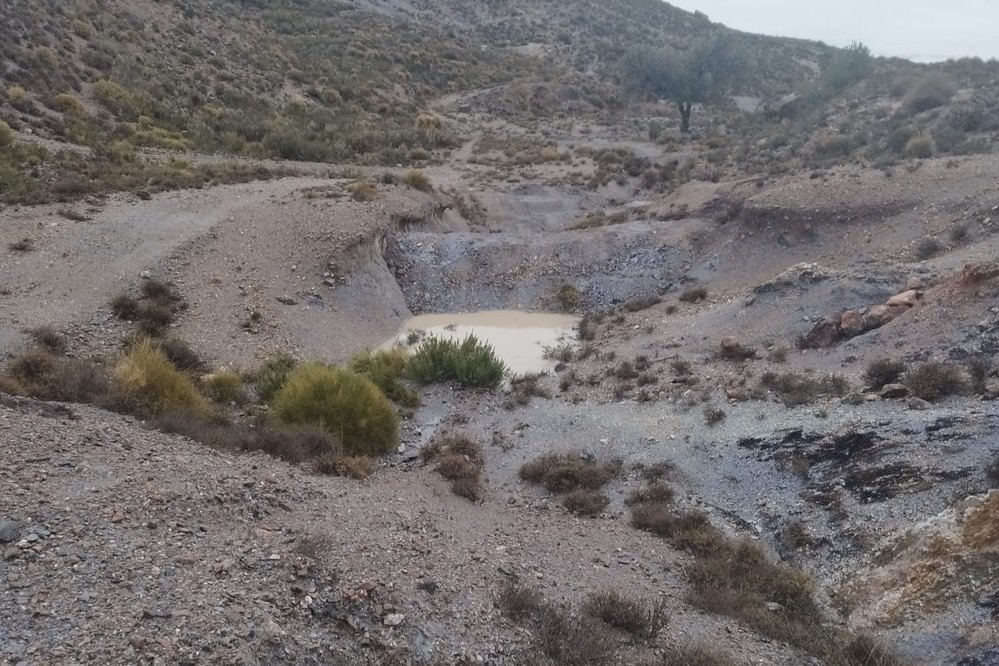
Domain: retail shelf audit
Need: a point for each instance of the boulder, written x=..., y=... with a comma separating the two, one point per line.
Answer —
x=825, y=333
x=851, y=324
x=878, y=316
x=893, y=391
x=906, y=298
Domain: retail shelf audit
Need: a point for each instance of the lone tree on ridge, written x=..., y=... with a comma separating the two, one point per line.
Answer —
x=700, y=74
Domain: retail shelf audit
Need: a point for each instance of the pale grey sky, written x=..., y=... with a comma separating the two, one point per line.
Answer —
x=923, y=30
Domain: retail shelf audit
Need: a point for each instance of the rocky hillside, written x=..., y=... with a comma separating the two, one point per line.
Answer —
x=770, y=439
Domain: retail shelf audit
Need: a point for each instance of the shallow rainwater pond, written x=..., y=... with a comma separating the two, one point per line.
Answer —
x=519, y=338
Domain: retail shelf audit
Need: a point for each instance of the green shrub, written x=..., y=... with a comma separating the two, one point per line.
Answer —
x=68, y=104
x=417, y=180
x=225, y=386
x=16, y=94
x=271, y=377
x=157, y=384
x=6, y=135
x=387, y=368
x=344, y=403
x=470, y=362
x=920, y=147
x=113, y=97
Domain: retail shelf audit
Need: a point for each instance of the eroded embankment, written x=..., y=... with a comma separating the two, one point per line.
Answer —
x=587, y=271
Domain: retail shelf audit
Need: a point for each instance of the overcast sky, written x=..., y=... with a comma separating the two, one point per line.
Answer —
x=923, y=30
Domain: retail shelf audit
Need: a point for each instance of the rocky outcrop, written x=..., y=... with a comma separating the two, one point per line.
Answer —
x=828, y=332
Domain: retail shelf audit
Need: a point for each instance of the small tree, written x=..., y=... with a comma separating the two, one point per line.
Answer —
x=703, y=73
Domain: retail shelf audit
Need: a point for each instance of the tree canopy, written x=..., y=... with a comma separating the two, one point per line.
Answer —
x=703, y=73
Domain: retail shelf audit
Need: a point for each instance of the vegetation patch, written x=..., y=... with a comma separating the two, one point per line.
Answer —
x=525, y=387
x=883, y=371
x=566, y=471
x=935, y=380
x=738, y=578
x=271, y=377
x=342, y=402
x=417, y=180
x=628, y=614
x=157, y=383
x=800, y=389
x=224, y=387
x=470, y=362
x=459, y=459
x=388, y=369
x=695, y=654
x=694, y=294
x=583, y=502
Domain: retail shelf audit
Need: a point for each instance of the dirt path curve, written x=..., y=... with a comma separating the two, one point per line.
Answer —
x=77, y=266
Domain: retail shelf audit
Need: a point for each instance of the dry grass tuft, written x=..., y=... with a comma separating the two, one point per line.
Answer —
x=695, y=654
x=567, y=471
x=518, y=601
x=935, y=380
x=417, y=180
x=883, y=371
x=460, y=459
x=353, y=467
x=633, y=616
x=585, y=502
x=50, y=339
x=694, y=294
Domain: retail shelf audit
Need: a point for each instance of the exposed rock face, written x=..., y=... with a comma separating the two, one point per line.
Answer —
x=941, y=560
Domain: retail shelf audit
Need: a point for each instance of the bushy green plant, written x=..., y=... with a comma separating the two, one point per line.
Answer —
x=344, y=403
x=470, y=362
x=225, y=386
x=272, y=375
x=156, y=383
x=387, y=369
x=6, y=134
